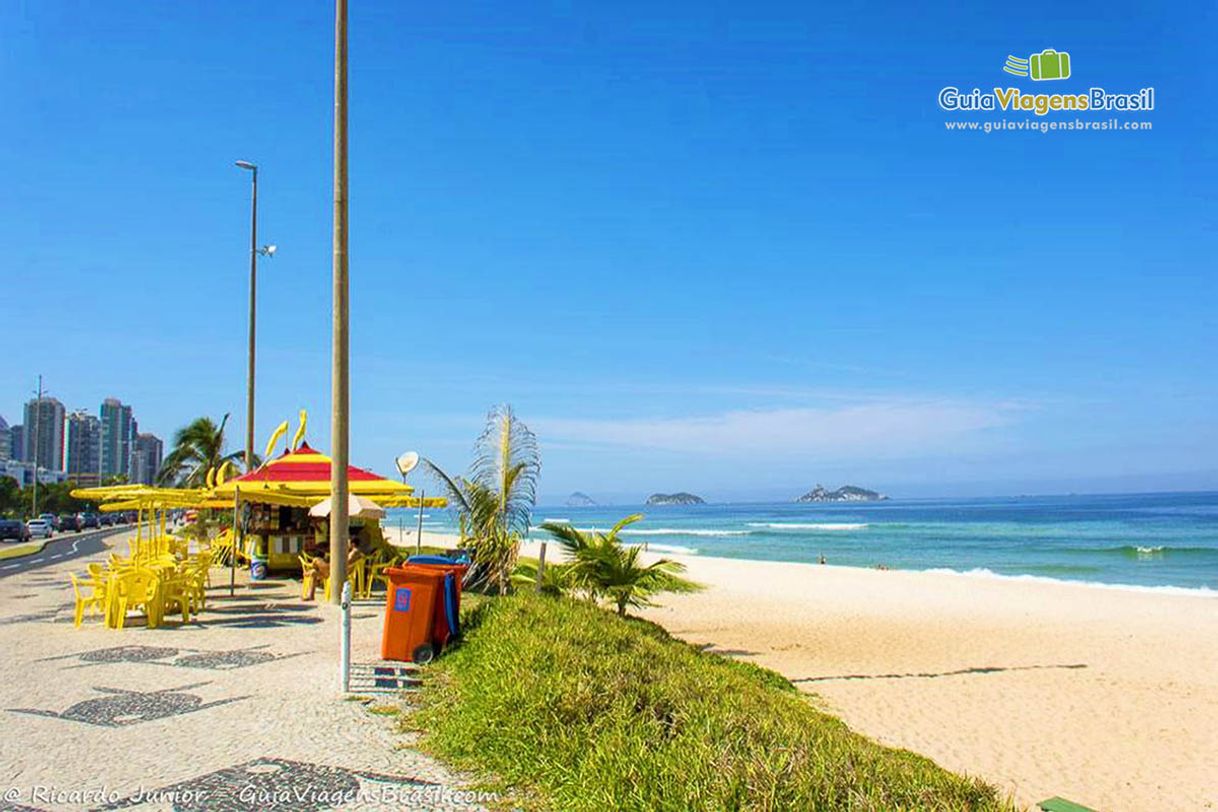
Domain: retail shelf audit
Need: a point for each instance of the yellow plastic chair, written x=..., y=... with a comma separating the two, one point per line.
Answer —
x=376, y=572
x=134, y=589
x=222, y=548
x=175, y=591
x=95, y=600
x=358, y=576
x=307, y=576
x=204, y=561
x=199, y=567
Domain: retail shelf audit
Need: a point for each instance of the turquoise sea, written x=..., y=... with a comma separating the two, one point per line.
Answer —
x=1164, y=540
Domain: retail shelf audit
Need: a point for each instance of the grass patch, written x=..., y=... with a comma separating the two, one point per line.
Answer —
x=583, y=710
x=22, y=549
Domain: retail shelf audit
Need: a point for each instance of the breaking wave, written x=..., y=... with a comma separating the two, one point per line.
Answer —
x=982, y=572
x=830, y=526
x=675, y=549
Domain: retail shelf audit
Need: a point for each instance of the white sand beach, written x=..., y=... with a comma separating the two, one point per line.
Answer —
x=1108, y=697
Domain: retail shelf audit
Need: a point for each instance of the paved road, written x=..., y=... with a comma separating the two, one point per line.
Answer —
x=63, y=547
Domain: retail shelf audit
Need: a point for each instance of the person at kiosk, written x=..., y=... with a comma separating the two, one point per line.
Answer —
x=321, y=564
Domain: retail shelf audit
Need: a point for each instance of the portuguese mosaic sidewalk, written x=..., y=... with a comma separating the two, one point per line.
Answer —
x=238, y=710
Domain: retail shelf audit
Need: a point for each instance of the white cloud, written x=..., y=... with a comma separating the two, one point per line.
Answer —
x=885, y=429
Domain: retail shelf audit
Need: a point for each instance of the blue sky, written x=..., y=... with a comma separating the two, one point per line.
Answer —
x=727, y=248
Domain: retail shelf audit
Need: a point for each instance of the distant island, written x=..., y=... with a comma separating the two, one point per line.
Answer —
x=580, y=499
x=846, y=493
x=675, y=499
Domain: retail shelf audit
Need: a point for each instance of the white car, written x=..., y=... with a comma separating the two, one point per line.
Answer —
x=39, y=529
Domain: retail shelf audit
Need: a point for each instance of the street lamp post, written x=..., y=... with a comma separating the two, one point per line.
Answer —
x=267, y=251
x=249, y=384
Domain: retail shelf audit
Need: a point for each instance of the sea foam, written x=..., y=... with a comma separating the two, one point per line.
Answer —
x=683, y=531
x=830, y=526
x=662, y=531
x=982, y=572
x=675, y=549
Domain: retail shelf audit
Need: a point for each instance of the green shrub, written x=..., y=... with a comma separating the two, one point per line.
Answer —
x=601, y=567
x=584, y=710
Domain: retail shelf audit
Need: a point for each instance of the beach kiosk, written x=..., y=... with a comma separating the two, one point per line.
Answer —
x=274, y=502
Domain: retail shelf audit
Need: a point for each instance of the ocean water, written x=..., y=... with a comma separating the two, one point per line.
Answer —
x=1166, y=540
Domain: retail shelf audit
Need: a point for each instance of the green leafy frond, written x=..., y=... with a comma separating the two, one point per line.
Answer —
x=449, y=485
x=197, y=448
x=507, y=461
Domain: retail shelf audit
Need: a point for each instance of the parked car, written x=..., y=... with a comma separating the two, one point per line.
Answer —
x=50, y=519
x=13, y=530
x=68, y=521
x=89, y=520
x=39, y=529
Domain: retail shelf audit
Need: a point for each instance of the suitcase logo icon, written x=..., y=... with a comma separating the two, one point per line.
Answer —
x=1044, y=66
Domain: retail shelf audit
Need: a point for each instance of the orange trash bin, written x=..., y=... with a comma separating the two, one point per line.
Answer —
x=410, y=607
x=446, y=618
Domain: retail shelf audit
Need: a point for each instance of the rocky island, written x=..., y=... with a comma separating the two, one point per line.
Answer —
x=675, y=499
x=580, y=499
x=846, y=493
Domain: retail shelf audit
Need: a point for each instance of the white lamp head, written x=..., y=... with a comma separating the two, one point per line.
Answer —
x=407, y=462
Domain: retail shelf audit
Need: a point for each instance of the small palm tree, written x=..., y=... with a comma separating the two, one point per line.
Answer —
x=197, y=448
x=495, y=499
x=555, y=578
x=602, y=567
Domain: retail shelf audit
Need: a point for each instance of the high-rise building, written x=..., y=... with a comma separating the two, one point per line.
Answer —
x=135, y=433
x=6, y=441
x=16, y=449
x=117, y=438
x=44, y=416
x=84, y=448
x=147, y=458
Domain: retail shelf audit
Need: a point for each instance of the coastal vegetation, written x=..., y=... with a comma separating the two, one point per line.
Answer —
x=494, y=499
x=53, y=497
x=846, y=493
x=198, y=448
x=681, y=498
x=571, y=707
x=601, y=568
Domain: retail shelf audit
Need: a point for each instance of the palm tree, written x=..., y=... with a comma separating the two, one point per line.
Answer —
x=197, y=448
x=495, y=499
x=602, y=567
